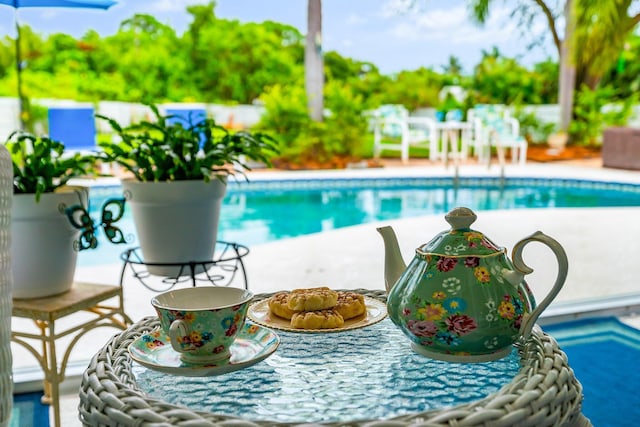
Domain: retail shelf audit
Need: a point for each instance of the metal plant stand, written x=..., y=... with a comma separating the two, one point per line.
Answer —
x=220, y=271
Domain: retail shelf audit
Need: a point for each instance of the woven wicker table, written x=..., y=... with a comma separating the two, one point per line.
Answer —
x=543, y=392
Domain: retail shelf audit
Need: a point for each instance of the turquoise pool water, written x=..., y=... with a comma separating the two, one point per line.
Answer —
x=260, y=212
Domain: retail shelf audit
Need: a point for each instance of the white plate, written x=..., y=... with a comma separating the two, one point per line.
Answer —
x=253, y=344
x=259, y=313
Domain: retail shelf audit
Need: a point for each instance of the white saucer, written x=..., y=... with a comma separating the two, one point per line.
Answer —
x=253, y=344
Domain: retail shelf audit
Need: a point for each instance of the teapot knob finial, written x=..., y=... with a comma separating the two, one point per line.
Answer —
x=460, y=218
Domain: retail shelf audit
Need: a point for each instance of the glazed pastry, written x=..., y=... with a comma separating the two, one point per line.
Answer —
x=278, y=305
x=312, y=299
x=350, y=305
x=321, y=319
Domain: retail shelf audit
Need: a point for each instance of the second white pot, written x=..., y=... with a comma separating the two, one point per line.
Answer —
x=176, y=221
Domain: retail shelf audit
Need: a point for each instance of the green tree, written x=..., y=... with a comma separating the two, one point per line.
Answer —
x=303, y=140
x=453, y=66
x=526, y=10
x=363, y=78
x=7, y=56
x=625, y=76
x=415, y=89
x=234, y=61
x=595, y=110
x=600, y=37
x=149, y=57
x=594, y=36
x=498, y=79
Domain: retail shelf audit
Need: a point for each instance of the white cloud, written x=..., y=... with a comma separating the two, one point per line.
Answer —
x=163, y=6
x=392, y=8
x=50, y=14
x=354, y=19
x=455, y=27
x=53, y=14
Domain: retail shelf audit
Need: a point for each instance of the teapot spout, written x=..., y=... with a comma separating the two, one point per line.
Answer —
x=394, y=265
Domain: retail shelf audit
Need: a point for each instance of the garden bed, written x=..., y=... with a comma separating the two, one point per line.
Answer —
x=542, y=153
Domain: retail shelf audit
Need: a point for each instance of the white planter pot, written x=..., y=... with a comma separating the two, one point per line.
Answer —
x=176, y=222
x=558, y=141
x=43, y=256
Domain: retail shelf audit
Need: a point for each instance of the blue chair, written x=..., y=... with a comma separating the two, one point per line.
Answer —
x=185, y=116
x=455, y=115
x=73, y=126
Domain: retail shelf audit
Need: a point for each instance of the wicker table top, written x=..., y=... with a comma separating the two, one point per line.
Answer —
x=544, y=392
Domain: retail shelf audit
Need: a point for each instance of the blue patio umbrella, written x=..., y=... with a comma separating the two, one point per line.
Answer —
x=18, y=4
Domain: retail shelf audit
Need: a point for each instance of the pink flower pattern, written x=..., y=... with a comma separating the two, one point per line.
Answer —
x=422, y=328
x=471, y=262
x=460, y=324
x=445, y=264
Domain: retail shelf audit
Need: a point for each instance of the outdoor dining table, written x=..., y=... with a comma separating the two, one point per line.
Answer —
x=455, y=137
x=367, y=376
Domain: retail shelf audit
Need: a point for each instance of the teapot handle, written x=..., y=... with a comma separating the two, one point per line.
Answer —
x=563, y=266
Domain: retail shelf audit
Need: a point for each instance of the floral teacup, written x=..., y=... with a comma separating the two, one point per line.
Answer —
x=202, y=322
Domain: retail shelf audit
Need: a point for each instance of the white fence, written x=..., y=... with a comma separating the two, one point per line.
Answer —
x=240, y=116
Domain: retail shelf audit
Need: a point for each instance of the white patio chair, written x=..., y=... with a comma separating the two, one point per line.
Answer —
x=395, y=130
x=494, y=127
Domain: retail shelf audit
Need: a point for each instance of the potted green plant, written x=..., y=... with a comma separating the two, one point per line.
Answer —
x=179, y=171
x=42, y=247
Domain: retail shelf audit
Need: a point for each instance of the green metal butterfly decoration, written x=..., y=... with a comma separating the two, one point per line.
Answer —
x=112, y=212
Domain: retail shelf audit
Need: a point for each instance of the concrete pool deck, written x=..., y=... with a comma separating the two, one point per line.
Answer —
x=601, y=244
x=598, y=239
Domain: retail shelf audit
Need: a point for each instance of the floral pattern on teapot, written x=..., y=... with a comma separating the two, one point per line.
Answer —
x=445, y=320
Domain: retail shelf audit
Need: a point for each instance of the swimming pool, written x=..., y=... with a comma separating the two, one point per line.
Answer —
x=263, y=211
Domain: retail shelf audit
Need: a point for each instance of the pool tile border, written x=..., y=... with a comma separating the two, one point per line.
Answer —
x=413, y=182
x=429, y=182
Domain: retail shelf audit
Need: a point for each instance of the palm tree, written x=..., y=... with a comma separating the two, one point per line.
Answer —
x=566, y=83
x=594, y=36
x=454, y=66
x=313, y=61
x=566, y=55
x=600, y=39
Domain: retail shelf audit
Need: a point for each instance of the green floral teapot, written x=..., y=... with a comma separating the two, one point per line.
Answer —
x=461, y=299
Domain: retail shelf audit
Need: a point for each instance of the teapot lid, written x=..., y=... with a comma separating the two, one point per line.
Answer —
x=460, y=240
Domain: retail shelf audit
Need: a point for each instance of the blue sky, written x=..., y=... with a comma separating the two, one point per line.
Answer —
x=368, y=30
